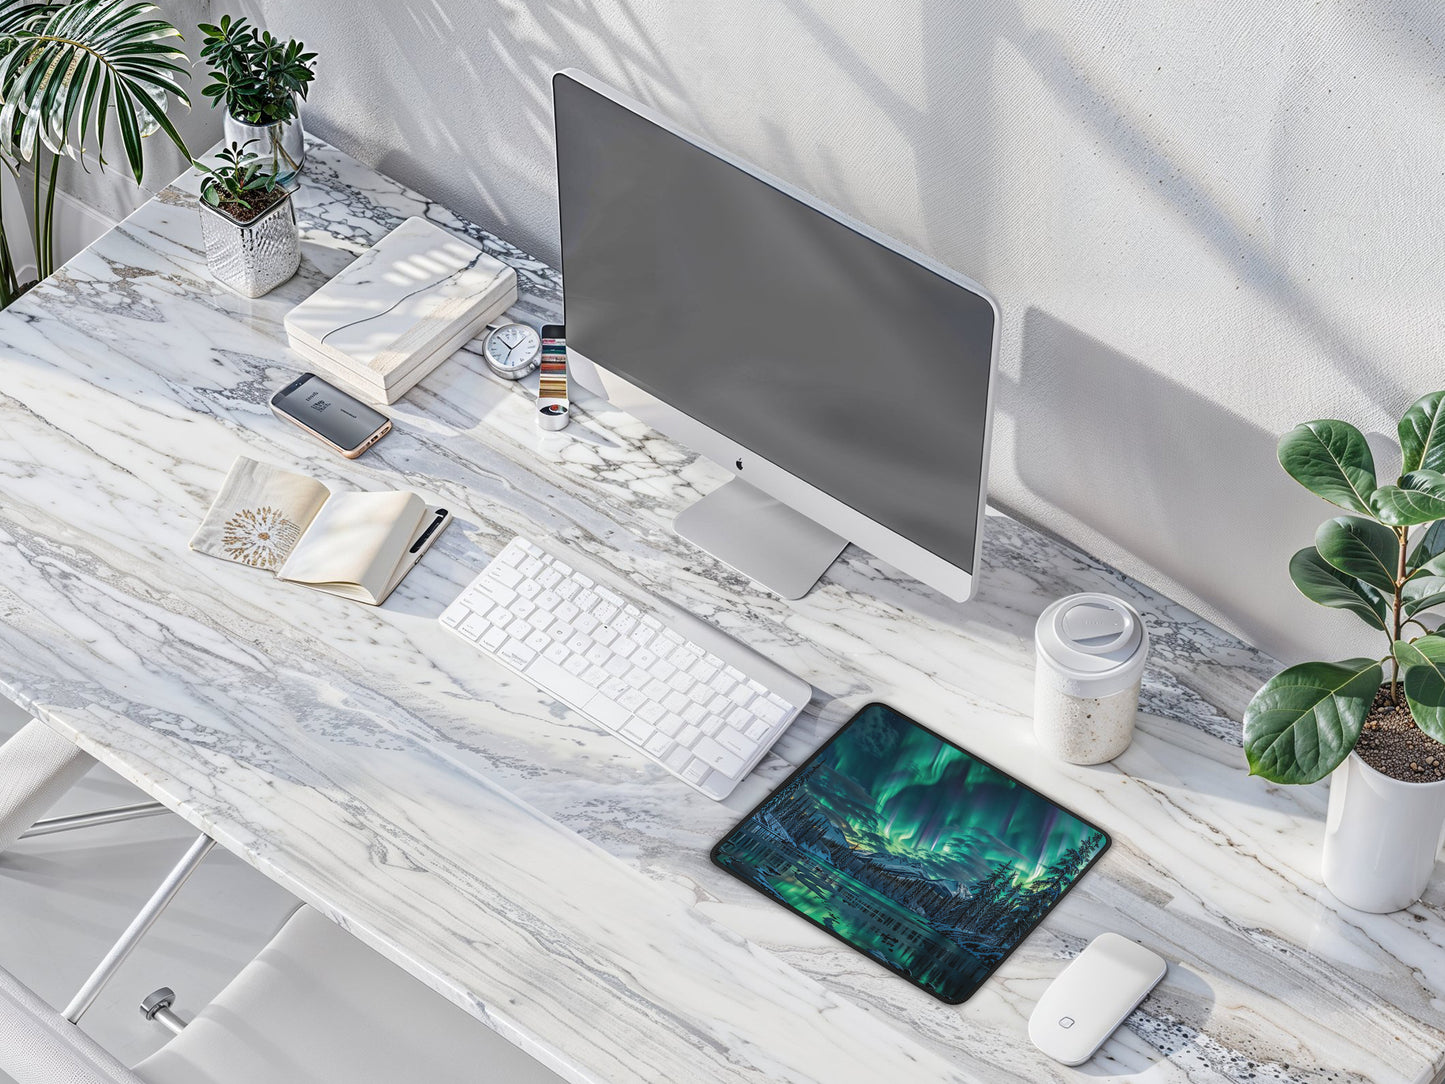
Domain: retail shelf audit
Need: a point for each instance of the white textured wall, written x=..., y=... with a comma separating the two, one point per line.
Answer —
x=1205, y=221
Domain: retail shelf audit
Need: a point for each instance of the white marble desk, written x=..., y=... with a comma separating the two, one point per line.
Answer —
x=529, y=866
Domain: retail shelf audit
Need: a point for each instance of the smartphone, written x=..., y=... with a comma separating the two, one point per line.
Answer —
x=340, y=421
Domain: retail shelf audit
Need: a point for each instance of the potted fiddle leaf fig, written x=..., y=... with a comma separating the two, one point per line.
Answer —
x=1376, y=723
x=247, y=223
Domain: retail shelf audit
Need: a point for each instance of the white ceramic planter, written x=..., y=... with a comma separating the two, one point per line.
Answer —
x=1382, y=837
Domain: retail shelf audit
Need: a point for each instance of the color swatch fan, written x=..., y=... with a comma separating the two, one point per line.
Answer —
x=400, y=309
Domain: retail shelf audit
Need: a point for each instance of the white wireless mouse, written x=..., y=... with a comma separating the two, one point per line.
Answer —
x=1092, y=996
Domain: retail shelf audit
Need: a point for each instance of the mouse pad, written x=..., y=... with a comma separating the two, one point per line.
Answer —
x=913, y=851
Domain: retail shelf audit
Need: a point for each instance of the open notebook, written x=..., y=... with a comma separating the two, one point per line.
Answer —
x=356, y=545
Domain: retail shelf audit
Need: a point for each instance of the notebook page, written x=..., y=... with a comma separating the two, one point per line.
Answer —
x=259, y=514
x=355, y=543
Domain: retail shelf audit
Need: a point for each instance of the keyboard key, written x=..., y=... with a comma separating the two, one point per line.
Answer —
x=586, y=623
x=657, y=744
x=695, y=772
x=453, y=616
x=527, y=546
x=687, y=735
x=615, y=665
x=512, y=554
x=523, y=607
x=518, y=629
x=757, y=729
x=606, y=636
x=678, y=758
x=695, y=715
x=655, y=689
x=637, y=677
x=586, y=600
x=674, y=701
x=575, y=665
x=612, y=688
x=595, y=675
x=548, y=600
x=609, y=713
x=473, y=627
x=518, y=655
x=539, y=641
x=506, y=576
x=636, y=730
x=598, y=655
x=556, y=652
x=530, y=567
x=665, y=723
x=715, y=756
x=529, y=589
x=549, y=577
x=734, y=742
x=493, y=638
x=632, y=700
x=579, y=644
x=767, y=711
x=568, y=612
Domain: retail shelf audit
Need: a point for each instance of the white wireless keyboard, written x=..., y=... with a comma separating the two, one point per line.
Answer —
x=695, y=700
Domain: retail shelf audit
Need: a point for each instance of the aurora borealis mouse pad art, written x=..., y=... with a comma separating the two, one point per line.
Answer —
x=913, y=851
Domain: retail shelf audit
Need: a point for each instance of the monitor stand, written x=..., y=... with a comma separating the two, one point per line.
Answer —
x=761, y=537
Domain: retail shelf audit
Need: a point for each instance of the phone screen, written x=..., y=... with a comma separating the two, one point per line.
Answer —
x=328, y=411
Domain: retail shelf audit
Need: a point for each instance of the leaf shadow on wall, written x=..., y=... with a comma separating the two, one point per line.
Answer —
x=1176, y=480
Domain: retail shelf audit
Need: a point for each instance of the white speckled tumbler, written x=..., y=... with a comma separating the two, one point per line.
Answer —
x=1091, y=651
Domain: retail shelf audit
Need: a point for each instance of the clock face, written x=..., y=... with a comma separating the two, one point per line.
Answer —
x=512, y=349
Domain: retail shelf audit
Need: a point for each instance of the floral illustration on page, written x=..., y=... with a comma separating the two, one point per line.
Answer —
x=259, y=537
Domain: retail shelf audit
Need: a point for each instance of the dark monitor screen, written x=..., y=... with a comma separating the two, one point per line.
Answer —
x=845, y=363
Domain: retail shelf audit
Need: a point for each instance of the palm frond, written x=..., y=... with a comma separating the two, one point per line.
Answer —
x=68, y=69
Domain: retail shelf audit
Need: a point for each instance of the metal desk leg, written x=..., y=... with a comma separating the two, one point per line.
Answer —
x=37, y=766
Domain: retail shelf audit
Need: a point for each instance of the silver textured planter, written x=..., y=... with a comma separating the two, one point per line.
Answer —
x=252, y=257
x=282, y=146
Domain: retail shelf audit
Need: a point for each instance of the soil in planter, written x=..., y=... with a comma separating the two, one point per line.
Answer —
x=261, y=202
x=1391, y=743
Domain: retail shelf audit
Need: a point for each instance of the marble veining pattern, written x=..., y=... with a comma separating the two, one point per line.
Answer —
x=532, y=868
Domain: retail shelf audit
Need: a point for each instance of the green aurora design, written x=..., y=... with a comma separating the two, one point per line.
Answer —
x=912, y=851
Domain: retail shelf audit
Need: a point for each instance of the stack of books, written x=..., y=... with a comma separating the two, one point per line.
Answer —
x=400, y=309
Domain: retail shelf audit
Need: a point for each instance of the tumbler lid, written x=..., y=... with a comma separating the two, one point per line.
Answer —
x=1095, y=644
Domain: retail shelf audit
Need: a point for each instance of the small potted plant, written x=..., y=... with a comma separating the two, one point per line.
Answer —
x=249, y=225
x=1381, y=739
x=260, y=79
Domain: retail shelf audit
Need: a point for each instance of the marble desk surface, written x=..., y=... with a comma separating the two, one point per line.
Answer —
x=528, y=865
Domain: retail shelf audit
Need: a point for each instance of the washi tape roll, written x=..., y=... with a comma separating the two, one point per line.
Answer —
x=552, y=406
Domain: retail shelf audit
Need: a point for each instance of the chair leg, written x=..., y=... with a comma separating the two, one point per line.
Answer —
x=157, y=1006
x=86, y=995
x=37, y=766
x=51, y=825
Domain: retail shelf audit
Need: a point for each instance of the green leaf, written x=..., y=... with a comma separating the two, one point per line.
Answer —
x=1423, y=663
x=1360, y=548
x=1331, y=459
x=1421, y=593
x=1321, y=582
x=1428, y=546
x=73, y=71
x=1305, y=720
x=1422, y=434
x=1419, y=498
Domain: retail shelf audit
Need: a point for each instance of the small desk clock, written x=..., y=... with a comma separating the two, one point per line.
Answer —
x=512, y=350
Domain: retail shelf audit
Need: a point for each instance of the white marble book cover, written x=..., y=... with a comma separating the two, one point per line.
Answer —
x=347, y=544
x=409, y=300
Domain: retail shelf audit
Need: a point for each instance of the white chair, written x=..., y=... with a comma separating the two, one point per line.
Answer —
x=316, y=1006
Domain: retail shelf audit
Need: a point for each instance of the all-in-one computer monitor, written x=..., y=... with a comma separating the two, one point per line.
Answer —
x=843, y=378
